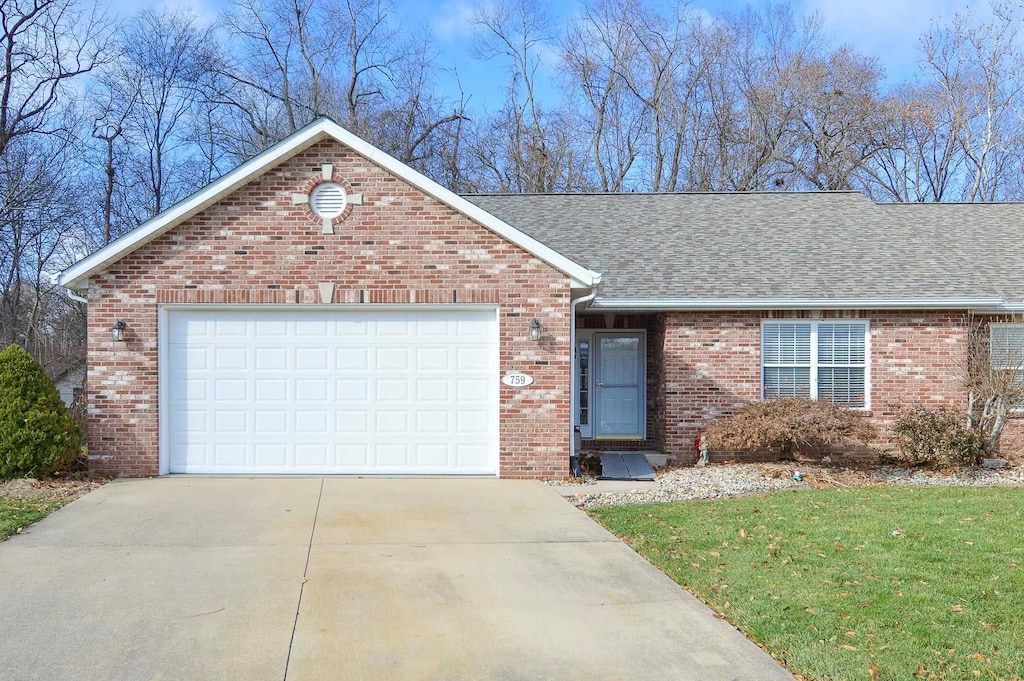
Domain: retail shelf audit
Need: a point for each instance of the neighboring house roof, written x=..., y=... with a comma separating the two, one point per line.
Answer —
x=58, y=369
x=77, y=276
x=780, y=249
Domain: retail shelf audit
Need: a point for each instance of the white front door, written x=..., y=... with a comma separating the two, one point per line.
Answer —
x=618, y=385
x=329, y=390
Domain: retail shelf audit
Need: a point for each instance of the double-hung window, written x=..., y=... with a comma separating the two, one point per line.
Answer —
x=818, y=360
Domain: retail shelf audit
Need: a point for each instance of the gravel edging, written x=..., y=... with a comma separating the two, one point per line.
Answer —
x=734, y=480
x=48, y=489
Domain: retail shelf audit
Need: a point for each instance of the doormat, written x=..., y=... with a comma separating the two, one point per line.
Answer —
x=625, y=466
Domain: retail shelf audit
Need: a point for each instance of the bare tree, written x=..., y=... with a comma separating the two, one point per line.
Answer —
x=48, y=47
x=154, y=91
x=599, y=54
x=37, y=196
x=959, y=134
x=46, y=44
x=991, y=368
x=978, y=67
x=843, y=122
x=524, y=147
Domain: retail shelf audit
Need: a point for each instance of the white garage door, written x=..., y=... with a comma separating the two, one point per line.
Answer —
x=331, y=391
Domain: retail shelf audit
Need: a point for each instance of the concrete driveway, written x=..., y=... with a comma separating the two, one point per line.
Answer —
x=305, y=579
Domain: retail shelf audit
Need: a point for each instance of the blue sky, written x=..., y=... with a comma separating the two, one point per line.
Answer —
x=887, y=29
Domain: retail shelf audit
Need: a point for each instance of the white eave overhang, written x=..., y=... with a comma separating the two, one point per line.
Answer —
x=994, y=305
x=77, y=276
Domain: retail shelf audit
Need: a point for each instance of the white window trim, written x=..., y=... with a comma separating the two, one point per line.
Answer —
x=814, y=354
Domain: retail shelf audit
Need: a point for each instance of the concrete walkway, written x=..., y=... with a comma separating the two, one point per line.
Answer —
x=304, y=579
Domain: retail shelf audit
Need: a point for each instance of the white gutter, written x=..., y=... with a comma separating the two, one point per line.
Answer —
x=573, y=374
x=666, y=304
x=75, y=297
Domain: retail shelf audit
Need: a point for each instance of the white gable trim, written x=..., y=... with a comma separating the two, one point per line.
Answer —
x=77, y=276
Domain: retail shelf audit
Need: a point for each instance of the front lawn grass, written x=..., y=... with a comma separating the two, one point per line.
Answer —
x=869, y=583
x=17, y=513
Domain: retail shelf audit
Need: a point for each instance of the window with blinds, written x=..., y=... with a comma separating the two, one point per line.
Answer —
x=824, y=360
x=1007, y=346
x=1007, y=349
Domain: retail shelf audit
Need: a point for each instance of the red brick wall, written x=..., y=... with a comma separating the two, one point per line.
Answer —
x=713, y=367
x=255, y=247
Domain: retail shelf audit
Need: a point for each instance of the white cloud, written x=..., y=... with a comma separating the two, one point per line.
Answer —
x=454, y=20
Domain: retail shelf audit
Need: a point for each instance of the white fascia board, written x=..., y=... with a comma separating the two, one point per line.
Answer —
x=76, y=276
x=696, y=304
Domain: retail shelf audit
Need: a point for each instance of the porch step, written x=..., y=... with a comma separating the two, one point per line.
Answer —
x=625, y=466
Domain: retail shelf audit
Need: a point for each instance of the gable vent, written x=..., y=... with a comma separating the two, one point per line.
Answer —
x=328, y=200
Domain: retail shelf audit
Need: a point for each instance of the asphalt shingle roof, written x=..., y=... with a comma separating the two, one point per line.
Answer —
x=777, y=244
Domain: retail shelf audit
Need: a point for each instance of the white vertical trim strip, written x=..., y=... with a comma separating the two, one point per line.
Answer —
x=163, y=450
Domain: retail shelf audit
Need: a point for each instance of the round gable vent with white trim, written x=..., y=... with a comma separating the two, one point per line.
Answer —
x=327, y=199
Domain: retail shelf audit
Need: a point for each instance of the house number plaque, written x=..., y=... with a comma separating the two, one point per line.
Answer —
x=517, y=380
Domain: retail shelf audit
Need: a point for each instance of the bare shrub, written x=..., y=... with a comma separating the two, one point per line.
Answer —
x=936, y=438
x=787, y=424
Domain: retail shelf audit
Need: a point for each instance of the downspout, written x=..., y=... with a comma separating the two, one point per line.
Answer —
x=573, y=373
x=75, y=297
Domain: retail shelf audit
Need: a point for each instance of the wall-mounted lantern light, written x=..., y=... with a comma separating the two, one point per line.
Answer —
x=534, y=330
x=117, y=330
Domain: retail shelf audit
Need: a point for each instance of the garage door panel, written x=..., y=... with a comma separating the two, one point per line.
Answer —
x=391, y=359
x=393, y=326
x=271, y=389
x=271, y=421
x=273, y=455
x=311, y=389
x=433, y=390
x=473, y=358
x=271, y=358
x=352, y=389
x=311, y=455
x=229, y=454
x=315, y=328
x=391, y=390
x=230, y=359
x=353, y=422
x=438, y=358
x=351, y=456
x=231, y=389
x=471, y=456
x=393, y=455
x=432, y=455
x=324, y=391
x=472, y=389
x=352, y=359
x=433, y=423
x=310, y=422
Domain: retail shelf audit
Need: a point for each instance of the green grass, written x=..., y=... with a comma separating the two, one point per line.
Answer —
x=17, y=513
x=867, y=583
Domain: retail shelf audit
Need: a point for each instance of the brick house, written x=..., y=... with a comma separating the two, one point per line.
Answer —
x=324, y=308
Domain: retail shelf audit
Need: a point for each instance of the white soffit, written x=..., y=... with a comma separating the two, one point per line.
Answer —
x=76, y=276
